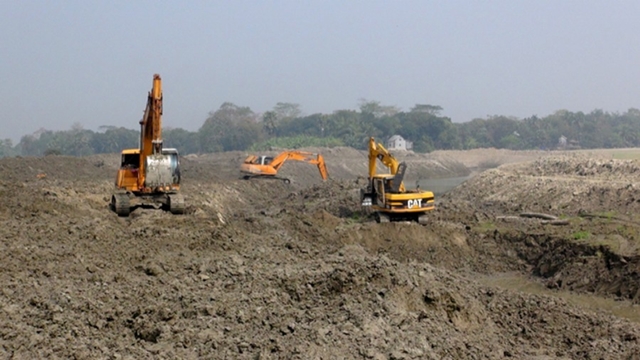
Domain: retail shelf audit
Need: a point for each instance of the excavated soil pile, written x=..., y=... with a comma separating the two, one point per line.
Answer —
x=259, y=269
x=491, y=157
x=559, y=184
x=342, y=163
x=593, y=246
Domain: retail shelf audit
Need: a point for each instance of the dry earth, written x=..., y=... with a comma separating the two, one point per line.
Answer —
x=342, y=163
x=259, y=269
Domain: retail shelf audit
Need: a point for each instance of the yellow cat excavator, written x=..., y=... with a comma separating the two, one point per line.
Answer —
x=266, y=167
x=386, y=193
x=150, y=175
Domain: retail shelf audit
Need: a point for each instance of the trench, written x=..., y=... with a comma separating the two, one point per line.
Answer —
x=438, y=186
x=518, y=282
x=613, y=290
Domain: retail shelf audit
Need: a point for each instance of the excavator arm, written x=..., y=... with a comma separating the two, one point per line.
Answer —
x=310, y=158
x=322, y=166
x=379, y=152
x=252, y=164
x=151, y=128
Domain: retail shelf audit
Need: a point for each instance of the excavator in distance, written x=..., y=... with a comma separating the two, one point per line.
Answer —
x=386, y=194
x=266, y=167
x=149, y=175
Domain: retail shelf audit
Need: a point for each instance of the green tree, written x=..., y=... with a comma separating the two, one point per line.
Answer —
x=77, y=141
x=6, y=148
x=423, y=145
x=448, y=137
x=385, y=126
x=474, y=134
x=270, y=123
x=511, y=141
x=350, y=127
x=29, y=145
x=114, y=140
x=187, y=142
x=285, y=110
x=313, y=125
x=296, y=142
x=376, y=109
x=429, y=109
x=230, y=128
x=499, y=127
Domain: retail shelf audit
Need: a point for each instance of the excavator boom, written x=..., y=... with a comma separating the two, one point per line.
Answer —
x=379, y=152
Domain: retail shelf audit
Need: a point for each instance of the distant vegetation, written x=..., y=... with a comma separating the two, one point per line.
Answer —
x=295, y=142
x=233, y=127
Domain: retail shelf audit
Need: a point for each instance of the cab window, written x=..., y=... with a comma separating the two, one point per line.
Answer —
x=130, y=161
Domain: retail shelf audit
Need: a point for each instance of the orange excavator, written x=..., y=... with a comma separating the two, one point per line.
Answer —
x=149, y=175
x=266, y=167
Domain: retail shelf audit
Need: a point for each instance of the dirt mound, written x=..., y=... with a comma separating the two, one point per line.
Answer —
x=342, y=164
x=27, y=169
x=596, y=202
x=261, y=269
x=580, y=166
x=488, y=158
x=560, y=185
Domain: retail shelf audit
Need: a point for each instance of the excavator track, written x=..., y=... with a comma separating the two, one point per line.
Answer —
x=121, y=204
x=249, y=177
x=382, y=218
x=175, y=202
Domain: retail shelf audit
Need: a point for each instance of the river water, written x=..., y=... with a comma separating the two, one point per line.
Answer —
x=437, y=186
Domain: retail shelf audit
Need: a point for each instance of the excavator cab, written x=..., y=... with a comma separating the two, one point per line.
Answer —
x=380, y=187
x=265, y=160
x=259, y=160
x=375, y=192
x=130, y=160
x=130, y=165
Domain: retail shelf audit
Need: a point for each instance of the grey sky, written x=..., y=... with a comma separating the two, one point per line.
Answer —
x=92, y=62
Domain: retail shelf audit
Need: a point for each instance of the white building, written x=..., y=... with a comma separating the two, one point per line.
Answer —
x=562, y=142
x=397, y=142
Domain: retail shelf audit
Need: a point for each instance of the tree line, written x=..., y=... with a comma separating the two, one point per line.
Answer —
x=233, y=127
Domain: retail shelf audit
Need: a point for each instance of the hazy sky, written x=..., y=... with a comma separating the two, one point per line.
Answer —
x=92, y=62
